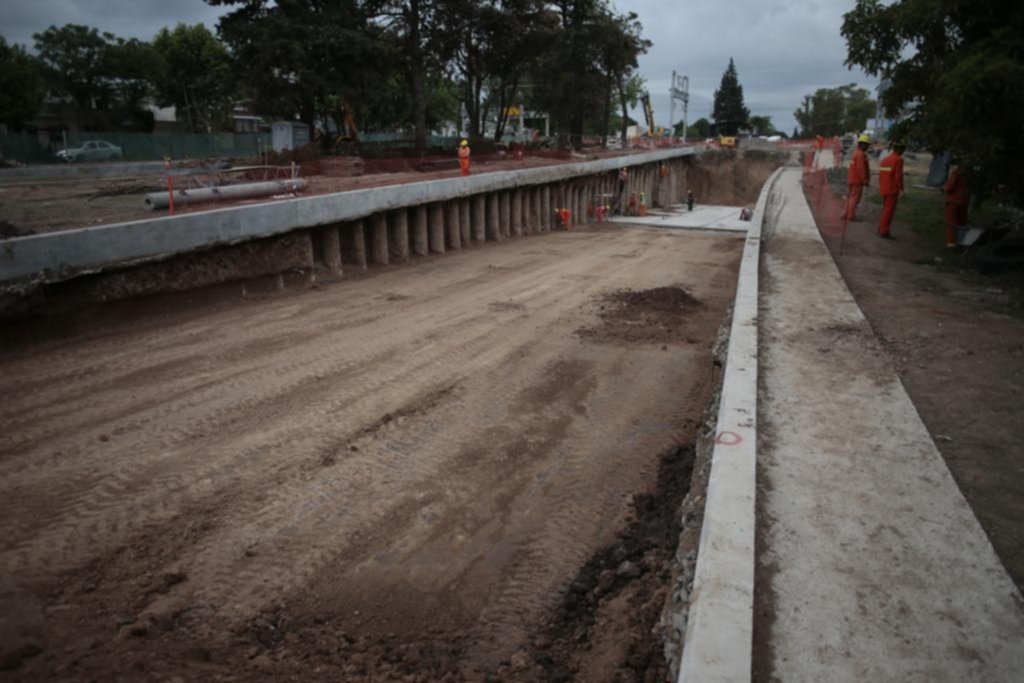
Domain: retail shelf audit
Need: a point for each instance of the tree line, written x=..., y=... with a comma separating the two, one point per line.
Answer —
x=398, y=64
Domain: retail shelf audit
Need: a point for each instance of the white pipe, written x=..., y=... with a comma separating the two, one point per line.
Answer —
x=160, y=200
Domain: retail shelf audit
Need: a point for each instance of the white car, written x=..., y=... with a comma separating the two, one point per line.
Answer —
x=91, y=150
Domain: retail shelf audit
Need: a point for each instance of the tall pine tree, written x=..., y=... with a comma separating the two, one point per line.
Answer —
x=729, y=113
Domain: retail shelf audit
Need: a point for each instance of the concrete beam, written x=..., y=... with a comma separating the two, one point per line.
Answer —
x=454, y=229
x=464, y=222
x=420, y=239
x=331, y=242
x=479, y=218
x=504, y=214
x=539, y=213
x=547, y=211
x=400, y=235
x=493, y=220
x=435, y=223
x=516, y=212
x=720, y=624
x=359, y=244
x=379, y=238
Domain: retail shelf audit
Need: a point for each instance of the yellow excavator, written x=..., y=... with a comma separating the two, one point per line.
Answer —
x=648, y=113
x=346, y=142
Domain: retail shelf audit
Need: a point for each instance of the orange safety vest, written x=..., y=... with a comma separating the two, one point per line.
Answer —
x=890, y=175
x=464, y=152
x=956, y=189
x=859, y=172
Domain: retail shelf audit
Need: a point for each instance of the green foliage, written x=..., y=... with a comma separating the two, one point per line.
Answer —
x=729, y=112
x=762, y=125
x=835, y=111
x=194, y=74
x=955, y=73
x=698, y=130
x=587, y=62
x=21, y=85
x=99, y=71
x=294, y=56
x=76, y=61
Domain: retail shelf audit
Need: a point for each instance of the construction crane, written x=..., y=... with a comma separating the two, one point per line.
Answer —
x=648, y=112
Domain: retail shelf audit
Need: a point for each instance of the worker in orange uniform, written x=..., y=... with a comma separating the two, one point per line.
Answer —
x=890, y=182
x=858, y=176
x=464, y=157
x=958, y=195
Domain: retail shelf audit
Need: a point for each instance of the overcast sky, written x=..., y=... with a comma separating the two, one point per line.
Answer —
x=783, y=49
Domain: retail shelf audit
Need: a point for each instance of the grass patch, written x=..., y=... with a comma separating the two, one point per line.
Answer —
x=923, y=208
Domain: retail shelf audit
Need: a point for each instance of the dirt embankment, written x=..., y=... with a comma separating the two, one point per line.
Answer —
x=730, y=177
x=429, y=474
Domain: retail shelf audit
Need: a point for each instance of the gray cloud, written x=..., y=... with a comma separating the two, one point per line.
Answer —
x=783, y=49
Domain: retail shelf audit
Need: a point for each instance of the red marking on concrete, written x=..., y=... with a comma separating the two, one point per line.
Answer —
x=728, y=438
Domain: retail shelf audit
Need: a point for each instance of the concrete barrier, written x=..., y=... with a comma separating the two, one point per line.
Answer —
x=718, y=644
x=56, y=256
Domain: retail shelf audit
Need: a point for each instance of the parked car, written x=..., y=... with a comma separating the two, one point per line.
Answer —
x=91, y=150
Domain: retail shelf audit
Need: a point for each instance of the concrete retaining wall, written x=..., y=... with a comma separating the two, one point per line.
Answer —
x=57, y=256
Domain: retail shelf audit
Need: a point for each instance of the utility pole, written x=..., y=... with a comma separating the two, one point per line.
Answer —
x=680, y=90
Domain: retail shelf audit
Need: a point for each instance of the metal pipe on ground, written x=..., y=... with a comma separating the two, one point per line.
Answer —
x=160, y=200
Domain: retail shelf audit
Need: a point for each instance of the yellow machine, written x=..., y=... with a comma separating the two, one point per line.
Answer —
x=727, y=141
x=648, y=113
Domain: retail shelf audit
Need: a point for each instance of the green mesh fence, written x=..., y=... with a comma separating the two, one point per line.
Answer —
x=145, y=147
x=26, y=147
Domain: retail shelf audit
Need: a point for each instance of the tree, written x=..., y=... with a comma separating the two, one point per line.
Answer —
x=762, y=125
x=21, y=86
x=589, y=59
x=76, y=62
x=413, y=23
x=194, y=75
x=622, y=45
x=489, y=48
x=729, y=113
x=130, y=67
x=835, y=111
x=298, y=57
x=955, y=74
x=698, y=130
x=99, y=71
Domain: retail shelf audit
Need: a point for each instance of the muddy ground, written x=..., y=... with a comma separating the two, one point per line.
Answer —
x=957, y=341
x=463, y=469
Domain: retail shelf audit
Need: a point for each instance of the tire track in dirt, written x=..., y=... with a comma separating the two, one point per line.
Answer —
x=453, y=456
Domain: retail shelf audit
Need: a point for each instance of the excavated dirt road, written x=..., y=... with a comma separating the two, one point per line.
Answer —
x=397, y=476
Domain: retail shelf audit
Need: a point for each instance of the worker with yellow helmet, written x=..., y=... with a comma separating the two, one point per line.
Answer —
x=858, y=176
x=464, y=157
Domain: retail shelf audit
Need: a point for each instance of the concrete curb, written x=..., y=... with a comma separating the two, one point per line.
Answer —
x=718, y=643
x=72, y=252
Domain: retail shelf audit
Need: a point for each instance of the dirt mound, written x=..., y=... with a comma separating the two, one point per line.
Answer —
x=658, y=316
x=730, y=178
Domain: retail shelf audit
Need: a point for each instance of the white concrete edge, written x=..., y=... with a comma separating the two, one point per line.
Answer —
x=718, y=644
x=64, y=254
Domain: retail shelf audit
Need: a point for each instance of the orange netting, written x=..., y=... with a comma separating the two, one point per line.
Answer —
x=827, y=206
